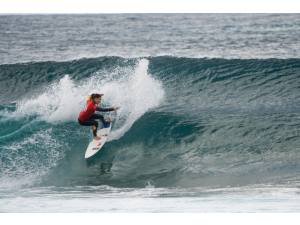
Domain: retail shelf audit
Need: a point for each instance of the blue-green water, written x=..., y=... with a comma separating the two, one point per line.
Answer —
x=209, y=112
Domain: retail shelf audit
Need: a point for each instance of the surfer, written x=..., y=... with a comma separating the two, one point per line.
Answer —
x=87, y=117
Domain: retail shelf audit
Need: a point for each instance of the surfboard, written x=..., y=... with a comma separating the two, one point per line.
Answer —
x=96, y=145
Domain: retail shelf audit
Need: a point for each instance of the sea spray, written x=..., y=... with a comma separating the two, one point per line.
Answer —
x=135, y=92
x=136, y=96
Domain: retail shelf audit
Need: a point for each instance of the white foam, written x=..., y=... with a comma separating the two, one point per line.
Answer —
x=176, y=200
x=24, y=165
x=134, y=90
x=57, y=103
x=136, y=95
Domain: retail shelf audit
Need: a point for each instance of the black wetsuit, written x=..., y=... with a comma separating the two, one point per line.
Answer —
x=92, y=121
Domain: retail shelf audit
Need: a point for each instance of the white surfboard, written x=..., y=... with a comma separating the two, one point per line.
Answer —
x=96, y=145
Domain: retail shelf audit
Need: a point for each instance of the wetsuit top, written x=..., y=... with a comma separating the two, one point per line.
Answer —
x=90, y=109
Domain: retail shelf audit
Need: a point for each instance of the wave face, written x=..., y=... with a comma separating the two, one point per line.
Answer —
x=183, y=122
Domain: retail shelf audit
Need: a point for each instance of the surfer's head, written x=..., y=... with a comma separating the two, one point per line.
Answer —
x=96, y=97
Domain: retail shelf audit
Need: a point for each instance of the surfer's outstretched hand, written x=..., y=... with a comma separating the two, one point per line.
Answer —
x=116, y=108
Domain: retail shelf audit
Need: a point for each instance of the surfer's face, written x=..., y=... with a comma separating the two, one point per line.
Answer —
x=97, y=100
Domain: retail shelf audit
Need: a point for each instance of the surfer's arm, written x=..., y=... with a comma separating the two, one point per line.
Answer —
x=100, y=109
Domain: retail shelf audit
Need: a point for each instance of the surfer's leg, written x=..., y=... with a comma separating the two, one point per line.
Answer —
x=98, y=117
x=94, y=127
x=94, y=130
x=91, y=122
x=101, y=118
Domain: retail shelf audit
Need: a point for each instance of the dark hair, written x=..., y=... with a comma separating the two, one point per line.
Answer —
x=93, y=96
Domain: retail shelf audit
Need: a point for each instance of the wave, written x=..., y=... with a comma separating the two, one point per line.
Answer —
x=183, y=122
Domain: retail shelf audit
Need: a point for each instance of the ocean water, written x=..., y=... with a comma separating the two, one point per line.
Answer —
x=209, y=118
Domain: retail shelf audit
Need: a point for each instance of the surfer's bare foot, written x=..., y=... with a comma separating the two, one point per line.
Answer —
x=97, y=138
